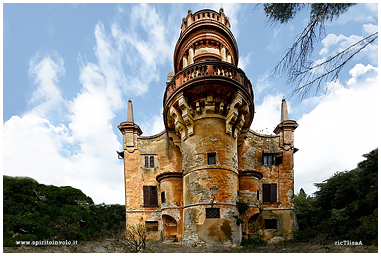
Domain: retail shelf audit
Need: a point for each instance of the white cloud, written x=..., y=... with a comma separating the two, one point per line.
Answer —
x=46, y=73
x=263, y=82
x=81, y=154
x=244, y=61
x=145, y=43
x=153, y=125
x=333, y=44
x=335, y=135
x=359, y=70
x=267, y=115
x=369, y=29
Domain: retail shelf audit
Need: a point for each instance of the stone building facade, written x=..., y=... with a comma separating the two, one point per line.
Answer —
x=185, y=182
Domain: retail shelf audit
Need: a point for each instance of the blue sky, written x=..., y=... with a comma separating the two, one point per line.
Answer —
x=69, y=70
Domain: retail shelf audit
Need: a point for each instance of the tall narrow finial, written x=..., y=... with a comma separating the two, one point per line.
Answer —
x=130, y=112
x=284, y=111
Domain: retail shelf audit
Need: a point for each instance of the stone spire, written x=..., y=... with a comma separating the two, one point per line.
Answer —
x=130, y=112
x=284, y=111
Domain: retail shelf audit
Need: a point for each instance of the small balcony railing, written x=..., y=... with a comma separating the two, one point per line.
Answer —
x=208, y=69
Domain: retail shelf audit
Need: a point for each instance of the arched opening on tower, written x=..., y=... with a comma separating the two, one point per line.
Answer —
x=170, y=229
x=252, y=228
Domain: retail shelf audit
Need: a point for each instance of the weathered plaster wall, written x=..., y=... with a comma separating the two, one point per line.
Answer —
x=167, y=159
x=250, y=152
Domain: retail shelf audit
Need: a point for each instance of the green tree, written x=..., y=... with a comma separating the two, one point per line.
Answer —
x=300, y=70
x=347, y=202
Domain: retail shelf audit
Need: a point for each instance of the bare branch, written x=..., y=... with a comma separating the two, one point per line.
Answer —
x=331, y=68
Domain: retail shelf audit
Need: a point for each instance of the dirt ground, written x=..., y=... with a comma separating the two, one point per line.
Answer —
x=116, y=246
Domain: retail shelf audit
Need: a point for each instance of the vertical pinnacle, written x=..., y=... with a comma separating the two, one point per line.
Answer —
x=284, y=111
x=130, y=112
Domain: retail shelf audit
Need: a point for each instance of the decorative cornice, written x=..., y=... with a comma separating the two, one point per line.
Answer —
x=286, y=125
x=169, y=175
x=254, y=173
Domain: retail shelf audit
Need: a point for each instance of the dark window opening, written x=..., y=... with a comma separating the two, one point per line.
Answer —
x=152, y=225
x=150, y=195
x=211, y=158
x=257, y=195
x=163, y=197
x=279, y=158
x=271, y=224
x=212, y=213
x=269, y=193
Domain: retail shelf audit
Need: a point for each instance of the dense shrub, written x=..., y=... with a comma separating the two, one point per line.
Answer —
x=34, y=211
x=251, y=241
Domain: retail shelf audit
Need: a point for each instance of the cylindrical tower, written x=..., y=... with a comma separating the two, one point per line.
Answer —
x=207, y=104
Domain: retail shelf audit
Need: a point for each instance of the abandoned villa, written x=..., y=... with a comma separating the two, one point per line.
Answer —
x=186, y=182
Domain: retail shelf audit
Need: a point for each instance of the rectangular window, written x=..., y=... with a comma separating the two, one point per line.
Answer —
x=211, y=158
x=149, y=161
x=163, y=197
x=152, y=225
x=271, y=224
x=272, y=158
x=268, y=159
x=150, y=195
x=269, y=193
x=257, y=195
x=212, y=213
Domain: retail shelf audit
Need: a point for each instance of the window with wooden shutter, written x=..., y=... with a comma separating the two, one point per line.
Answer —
x=146, y=162
x=152, y=225
x=150, y=196
x=269, y=193
x=279, y=158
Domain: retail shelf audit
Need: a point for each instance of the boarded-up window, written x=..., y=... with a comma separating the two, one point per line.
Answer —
x=150, y=195
x=152, y=225
x=269, y=193
x=271, y=224
x=163, y=197
x=211, y=158
x=212, y=212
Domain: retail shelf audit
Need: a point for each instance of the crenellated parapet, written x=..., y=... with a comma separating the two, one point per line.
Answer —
x=205, y=15
x=205, y=35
